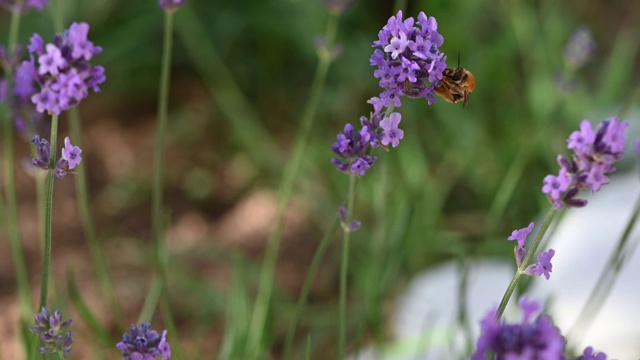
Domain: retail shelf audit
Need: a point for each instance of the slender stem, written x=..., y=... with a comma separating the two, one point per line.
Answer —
x=530, y=253
x=157, y=228
x=57, y=15
x=507, y=186
x=605, y=282
x=265, y=286
x=344, y=267
x=311, y=274
x=163, y=96
x=13, y=32
x=48, y=216
x=10, y=218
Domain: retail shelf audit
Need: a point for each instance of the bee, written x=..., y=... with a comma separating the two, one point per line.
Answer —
x=457, y=84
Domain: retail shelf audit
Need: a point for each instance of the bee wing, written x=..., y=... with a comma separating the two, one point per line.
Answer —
x=466, y=98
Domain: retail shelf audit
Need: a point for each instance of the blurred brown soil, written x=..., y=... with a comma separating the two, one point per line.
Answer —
x=202, y=234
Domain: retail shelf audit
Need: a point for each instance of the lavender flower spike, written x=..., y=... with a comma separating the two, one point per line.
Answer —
x=594, y=155
x=528, y=339
x=408, y=59
x=23, y=6
x=143, y=343
x=61, y=70
x=54, y=333
x=590, y=354
x=580, y=48
x=171, y=5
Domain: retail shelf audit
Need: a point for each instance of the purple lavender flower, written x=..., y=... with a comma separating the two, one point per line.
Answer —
x=590, y=354
x=580, y=48
x=353, y=226
x=408, y=59
x=71, y=153
x=69, y=160
x=529, y=339
x=543, y=266
x=594, y=155
x=171, y=5
x=521, y=234
x=62, y=72
x=54, y=333
x=142, y=343
x=23, y=6
x=391, y=135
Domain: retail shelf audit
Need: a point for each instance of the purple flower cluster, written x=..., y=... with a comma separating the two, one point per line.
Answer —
x=171, y=4
x=535, y=337
x=23, y=6
x=353, y=145
x=580, y=48
x=590, y=354
x=409, y=60
x=544, y=266
x=594, y=153
x=53, y=332
x=69, y=160
x=61, y=70
x=142, y=343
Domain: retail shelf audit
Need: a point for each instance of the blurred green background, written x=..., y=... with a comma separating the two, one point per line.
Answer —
x=457, y=186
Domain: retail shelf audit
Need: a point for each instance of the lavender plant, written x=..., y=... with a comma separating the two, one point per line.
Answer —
x=158, y=287
x=594, y=157
x=54, y=333
x=58, y=76
x=534, y=337
x=409, y=64
x=143, y=343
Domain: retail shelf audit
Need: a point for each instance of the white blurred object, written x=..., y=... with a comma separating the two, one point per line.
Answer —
x=425, y=316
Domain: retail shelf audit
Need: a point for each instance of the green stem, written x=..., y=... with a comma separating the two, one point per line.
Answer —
x=605, y=282
x=157, y=228
x=48, y=215
x=344, y=267
x=57, y=15
x=507, y=187
x=530, y=253
x=10, y=217
x=151, y=302
x=163, y=96
x=265, y=286
x=311, y=274
x=82, y=191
